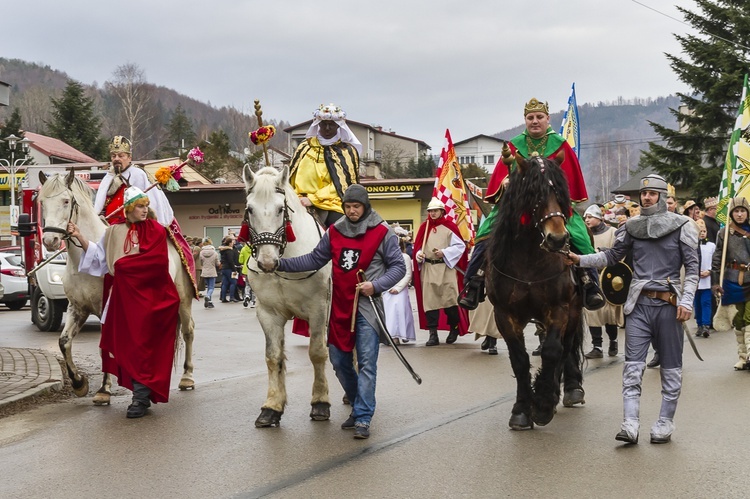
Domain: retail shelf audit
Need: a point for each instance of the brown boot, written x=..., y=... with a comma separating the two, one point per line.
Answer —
x=434, y=340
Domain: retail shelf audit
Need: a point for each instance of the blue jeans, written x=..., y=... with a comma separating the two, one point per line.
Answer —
x=210, y=285
x=227, y=283
x=359, y=387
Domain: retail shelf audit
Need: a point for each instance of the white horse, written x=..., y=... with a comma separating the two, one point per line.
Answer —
x=65, y=199
x=271, y=205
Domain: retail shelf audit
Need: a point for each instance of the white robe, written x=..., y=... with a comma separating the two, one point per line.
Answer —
x=399, y=316
x=138, y=178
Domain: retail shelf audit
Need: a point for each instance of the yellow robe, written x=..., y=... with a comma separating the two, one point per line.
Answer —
x=323, y=173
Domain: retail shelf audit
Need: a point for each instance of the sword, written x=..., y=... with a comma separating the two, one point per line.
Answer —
x=684, y=326
x=691, y=341
x=361, y=275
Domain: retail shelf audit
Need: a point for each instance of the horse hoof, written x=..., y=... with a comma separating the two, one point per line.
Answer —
x=520, y=422
x=81, y=389
x=268, y=417
x=101, y=398
x=574, y=397
x=542, y=418
x=321, y=411
x=186, y=384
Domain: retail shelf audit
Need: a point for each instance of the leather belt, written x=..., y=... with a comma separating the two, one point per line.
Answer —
x=429, y=260
x=666, y=296
x=742, y=268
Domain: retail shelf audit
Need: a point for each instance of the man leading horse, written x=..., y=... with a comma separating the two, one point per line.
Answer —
x=660, y=243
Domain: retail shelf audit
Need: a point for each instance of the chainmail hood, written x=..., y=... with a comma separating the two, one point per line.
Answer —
x=655, y=221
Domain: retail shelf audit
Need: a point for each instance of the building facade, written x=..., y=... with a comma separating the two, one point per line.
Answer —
x=481, y=150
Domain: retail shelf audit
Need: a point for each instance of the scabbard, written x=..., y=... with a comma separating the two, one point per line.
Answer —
x=354, y=309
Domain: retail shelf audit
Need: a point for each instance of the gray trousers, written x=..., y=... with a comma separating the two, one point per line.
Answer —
x=648, y=323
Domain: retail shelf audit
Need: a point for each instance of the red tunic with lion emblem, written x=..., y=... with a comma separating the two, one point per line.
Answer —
x=348, y=256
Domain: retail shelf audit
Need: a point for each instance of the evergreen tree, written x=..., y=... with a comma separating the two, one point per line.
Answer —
x=714, y=68
x=75, y=122
x=180, y=135
x=424, y=167
x=11, y=127
x=217, y=162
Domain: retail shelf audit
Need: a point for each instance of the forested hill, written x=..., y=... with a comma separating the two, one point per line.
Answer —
x=33, y=85
x=612, y=136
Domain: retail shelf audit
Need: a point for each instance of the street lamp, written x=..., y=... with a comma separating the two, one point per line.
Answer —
x=10, y=167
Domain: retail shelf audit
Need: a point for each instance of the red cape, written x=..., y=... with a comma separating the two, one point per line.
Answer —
x=138, y=336
x=570, y=166
x=463, y=315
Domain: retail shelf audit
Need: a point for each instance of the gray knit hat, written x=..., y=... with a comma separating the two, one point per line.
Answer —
x=356, y=193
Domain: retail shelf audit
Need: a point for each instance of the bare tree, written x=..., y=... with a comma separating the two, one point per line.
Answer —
x=134, y=93
x=391, y=159
x=35, y=108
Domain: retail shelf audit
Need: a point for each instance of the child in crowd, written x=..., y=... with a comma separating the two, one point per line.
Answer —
x=702, y=303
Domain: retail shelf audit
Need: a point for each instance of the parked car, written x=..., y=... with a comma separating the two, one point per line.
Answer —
x=14, y=281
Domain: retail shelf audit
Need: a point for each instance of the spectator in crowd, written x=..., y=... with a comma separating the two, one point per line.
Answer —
x=709, y=217
x=671, y=204
x=230, y=267
x=209, y=261
x=702, y=305
x=692, y=210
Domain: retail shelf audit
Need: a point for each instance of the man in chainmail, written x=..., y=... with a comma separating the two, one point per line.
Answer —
x=661, y=242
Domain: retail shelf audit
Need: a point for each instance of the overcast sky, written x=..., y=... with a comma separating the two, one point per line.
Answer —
x=414, y=66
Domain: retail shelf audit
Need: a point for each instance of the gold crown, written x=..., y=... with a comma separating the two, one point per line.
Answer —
x=120, y=144
x=535, y=106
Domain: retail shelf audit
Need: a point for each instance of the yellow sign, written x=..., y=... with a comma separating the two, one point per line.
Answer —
x=392, y=188
x=5, y=181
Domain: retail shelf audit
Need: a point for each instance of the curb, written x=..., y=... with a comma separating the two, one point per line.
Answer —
x=26, y=373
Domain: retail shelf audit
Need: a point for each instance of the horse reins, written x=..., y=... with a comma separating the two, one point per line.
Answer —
x=529, y=283
x=56, y=230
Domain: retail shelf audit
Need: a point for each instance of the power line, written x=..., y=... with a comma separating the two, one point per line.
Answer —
x=731, y=42
x=601, y=145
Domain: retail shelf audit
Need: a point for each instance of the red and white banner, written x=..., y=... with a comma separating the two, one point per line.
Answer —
x=450, y=189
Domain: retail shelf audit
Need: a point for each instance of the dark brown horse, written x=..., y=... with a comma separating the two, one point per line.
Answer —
x=527, y=280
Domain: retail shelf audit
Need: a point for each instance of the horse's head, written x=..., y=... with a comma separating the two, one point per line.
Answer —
x=59, y=206
x=267, y=213
x=546, y=200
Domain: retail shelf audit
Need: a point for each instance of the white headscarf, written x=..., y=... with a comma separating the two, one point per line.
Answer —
x=333, y=113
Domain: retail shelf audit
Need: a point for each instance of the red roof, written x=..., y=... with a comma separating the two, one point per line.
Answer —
x=54, y=147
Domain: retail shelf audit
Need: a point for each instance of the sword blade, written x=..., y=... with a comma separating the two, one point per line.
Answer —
x=691, y=341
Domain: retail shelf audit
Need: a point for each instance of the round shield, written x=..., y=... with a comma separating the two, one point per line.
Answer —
x=615, y=282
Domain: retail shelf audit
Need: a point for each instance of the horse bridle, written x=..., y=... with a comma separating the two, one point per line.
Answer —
x=551, y=214
x=277, y=238
x=56, y=230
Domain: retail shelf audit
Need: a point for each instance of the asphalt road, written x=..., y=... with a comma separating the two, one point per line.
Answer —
x=445, y=438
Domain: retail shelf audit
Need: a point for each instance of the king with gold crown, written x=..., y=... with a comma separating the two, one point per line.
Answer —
x=538, y=139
